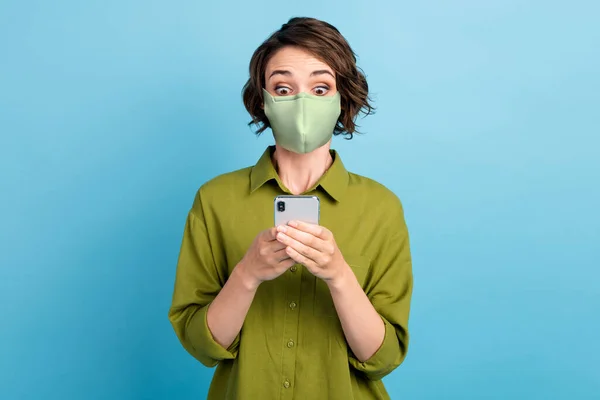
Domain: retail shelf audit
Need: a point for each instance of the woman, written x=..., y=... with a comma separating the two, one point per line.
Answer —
x=298, y=311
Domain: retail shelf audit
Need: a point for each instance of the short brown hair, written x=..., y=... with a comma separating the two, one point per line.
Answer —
x=326, y=43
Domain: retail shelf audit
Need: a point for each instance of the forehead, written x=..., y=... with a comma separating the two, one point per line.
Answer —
x=295, y=59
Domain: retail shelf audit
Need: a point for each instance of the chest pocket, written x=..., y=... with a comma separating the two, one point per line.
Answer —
x=323, y=303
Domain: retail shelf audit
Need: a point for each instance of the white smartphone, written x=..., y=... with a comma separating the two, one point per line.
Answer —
x=298, y=208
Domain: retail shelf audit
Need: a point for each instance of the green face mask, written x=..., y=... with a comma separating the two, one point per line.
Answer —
x=303, y=122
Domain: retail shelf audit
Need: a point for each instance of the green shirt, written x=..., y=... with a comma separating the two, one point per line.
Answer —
x=291, y=345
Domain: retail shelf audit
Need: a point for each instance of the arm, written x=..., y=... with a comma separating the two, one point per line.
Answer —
x=375, y=323
x=362, y=325
x=227, y=312
x=206, y=314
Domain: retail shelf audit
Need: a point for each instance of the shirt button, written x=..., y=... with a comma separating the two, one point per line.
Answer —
x=290, y=344
x=294, y=268
x=293, y=305
x=286, y=384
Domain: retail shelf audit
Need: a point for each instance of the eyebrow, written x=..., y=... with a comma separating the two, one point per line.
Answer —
x=285, y=72
x=321, y=72
x=280, y=72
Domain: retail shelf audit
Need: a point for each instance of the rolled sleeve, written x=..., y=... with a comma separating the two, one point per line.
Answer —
x=202, y=344
x=387, y=358
x=198, y=281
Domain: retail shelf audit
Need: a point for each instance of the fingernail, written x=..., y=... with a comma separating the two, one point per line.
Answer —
x=293, y=223
x=281, y=228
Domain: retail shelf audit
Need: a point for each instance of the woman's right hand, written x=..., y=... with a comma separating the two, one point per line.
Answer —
x=265, y=260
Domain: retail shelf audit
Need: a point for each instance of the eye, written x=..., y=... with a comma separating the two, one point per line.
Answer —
x=283, y=90
x=321, y=90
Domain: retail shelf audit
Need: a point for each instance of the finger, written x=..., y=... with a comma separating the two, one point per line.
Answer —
x=287, y=263
x=313, y=256
x=298, y=246
x=281, y=255
x=301, y=259
x=275, y=245
x=315, y=230
x=303, y=237
x=270, y=234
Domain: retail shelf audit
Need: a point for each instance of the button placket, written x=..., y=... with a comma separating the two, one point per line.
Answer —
x=290, y=331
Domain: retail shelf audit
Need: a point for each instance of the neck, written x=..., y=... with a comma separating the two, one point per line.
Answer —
x=300, y=172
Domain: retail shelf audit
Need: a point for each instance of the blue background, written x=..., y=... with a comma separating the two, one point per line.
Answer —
x=113, y=113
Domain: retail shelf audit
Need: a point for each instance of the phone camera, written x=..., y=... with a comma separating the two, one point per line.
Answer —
x=280, y=206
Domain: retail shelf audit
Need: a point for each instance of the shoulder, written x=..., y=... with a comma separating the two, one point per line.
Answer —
x=238, y=179
x=373, y=192
x=378, y=207
x=224, y=186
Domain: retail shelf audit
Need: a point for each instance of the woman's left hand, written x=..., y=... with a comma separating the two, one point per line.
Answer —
x=314, y=247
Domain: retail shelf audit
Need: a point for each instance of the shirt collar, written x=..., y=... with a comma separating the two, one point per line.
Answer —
x=334, y=181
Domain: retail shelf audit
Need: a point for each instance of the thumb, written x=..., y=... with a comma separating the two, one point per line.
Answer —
x=270, y=234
